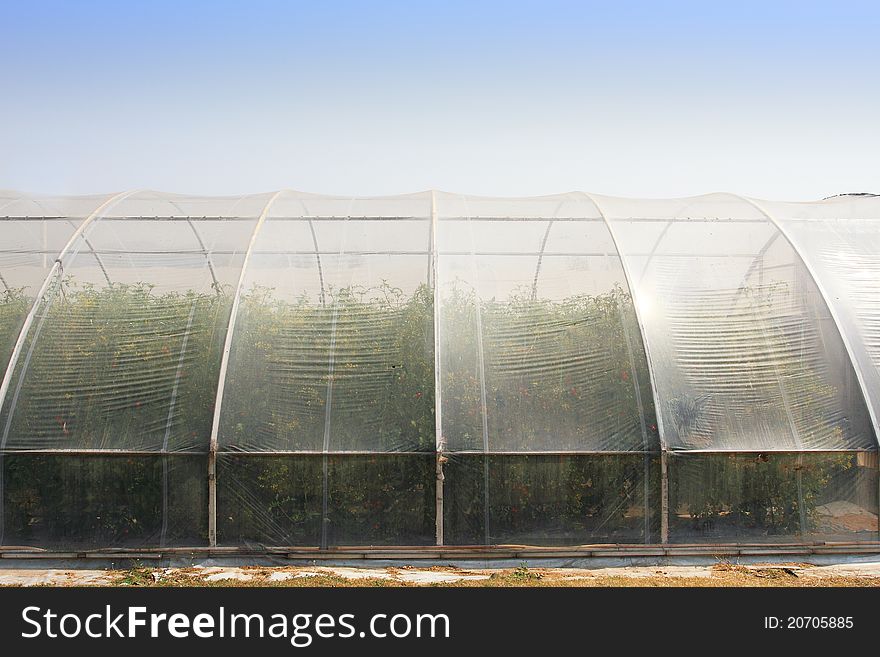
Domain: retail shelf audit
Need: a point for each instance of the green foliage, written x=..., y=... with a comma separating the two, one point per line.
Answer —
x=523, y=573
x=752, y=493
x=99, y=501
x=765, y=375
x=371, y=500
x=551, y=500
x=371, y=349
x=14, y=307
x=137, y=575
x=110, y=360
x=559, y=375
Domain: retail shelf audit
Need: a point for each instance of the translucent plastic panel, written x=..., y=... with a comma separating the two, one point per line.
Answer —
x=270, y=500
x=149, y=204
x=7, y=196
x=314, y=500
x=333, y=345
x=773, y=498
x=840, y=240
x=539, y=346
x=63, y=501
x=33, y=231
x=560, y=206
x=28, y=248
x=300, y=204
x=551, y=500
x=124, y=353
x=745, y=354
x=55, y=207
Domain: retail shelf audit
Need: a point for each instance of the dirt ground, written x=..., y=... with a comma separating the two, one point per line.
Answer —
x=720, y=574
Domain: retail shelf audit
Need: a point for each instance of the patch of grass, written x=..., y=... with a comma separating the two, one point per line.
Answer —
x=522, y=572
x=137, y=575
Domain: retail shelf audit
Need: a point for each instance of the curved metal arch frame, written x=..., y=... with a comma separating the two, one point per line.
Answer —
x=570, y=196
x=224, y=366
x=543, y=248
x=28, y=322
x=847, y=344
x=21, y=197
x=214, y=444
x=58, y=265
x=11, y=200
x=637, y=391
x=664, y=474
x=201, y=244
x=311, y=222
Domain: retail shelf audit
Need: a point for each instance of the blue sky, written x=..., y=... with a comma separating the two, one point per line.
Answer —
x=772, y=99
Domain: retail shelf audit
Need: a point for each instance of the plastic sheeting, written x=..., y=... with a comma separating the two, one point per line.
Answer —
x=125, y=347
x=314, y=501
x=771, y=497
x=33, y=232
x=840, y=240
x=294, y=369
x=122, y=357
x=62, y=501
x=542, y=499
x=332, y=350
x=744, y=352
x=539, y=350
x=331, y=354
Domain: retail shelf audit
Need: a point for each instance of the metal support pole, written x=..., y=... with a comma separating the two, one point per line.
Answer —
x=212, y=498
x=664, y=497
x=802, y=509
x=664, y=471
x=438, y=499
x=439, y=442
x=221, y=379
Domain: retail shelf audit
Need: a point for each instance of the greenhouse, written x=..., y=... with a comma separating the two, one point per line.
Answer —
x=297, y=371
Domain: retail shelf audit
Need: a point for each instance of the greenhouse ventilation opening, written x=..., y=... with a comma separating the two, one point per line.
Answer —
x=292, y=372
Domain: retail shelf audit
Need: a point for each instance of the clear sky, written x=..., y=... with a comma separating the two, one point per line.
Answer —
x=771, y=99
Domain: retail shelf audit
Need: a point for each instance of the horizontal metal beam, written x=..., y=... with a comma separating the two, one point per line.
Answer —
x=424, y=219
x=405, y=252
x=684, y=452
x=446, y=452
x=491, y=552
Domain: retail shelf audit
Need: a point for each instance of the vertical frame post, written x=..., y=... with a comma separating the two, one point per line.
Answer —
x=664, y=461
x=439, y=444
x=221, y=382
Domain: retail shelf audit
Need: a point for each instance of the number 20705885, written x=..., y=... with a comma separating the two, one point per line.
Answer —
x=808, y=622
